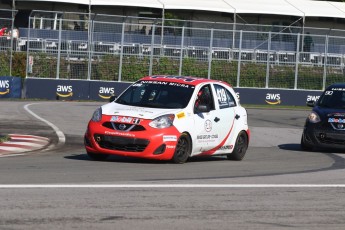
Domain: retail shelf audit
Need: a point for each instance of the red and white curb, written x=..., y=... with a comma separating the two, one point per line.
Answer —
x=19, y=144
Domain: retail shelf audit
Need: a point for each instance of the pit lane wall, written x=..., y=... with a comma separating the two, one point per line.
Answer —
x=10, y=87
x=101, y=91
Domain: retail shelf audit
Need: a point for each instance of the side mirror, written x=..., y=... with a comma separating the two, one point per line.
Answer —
x=112, y=98
x=311, y=103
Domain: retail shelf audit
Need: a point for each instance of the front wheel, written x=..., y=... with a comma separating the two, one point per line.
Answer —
x=183, y=149
x=97, y=157
x=240, y=148
x=305, y=145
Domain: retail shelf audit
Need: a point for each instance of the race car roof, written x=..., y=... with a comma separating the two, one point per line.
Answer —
x=336, y=85
x=179, y=79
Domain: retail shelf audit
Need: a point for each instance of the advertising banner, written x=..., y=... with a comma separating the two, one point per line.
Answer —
x=276, y=96
x=10, y=87
x=56, y=89
x=102, y=90
x=52, y=89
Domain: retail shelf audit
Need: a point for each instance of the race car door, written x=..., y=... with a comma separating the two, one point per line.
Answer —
x=226, y=115
x=206, y=120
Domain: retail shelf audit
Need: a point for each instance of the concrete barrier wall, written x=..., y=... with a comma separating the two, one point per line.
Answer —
x=10, y=87
x=101, y=91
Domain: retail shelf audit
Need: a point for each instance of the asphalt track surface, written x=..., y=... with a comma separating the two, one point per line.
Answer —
x=276, y=186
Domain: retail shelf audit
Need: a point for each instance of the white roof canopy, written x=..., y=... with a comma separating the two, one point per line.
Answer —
x=280, y=7
x=301, y=8
x=339, y=5
x=205, y=5
x=134, y=3
x=319, y=8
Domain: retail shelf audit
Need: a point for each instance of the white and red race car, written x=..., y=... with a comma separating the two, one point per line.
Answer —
x=170, y=118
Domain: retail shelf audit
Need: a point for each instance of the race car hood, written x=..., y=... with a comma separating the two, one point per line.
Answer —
x=134, y=111
x=329, y=112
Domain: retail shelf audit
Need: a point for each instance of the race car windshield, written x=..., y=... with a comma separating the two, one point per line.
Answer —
x=157, y=94
x=333, y=99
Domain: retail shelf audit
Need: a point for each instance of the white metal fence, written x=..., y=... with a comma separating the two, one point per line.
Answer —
x=7, y=35
x=92, y=48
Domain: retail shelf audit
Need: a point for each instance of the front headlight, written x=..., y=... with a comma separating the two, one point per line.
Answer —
x=97, y=115
x=314, y=117
x=162, y=122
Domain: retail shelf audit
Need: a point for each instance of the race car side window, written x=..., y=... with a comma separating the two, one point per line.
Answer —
x=225, y=98
x=204, y=98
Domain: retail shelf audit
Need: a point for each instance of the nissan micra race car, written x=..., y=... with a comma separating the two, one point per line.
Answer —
x=325, y=125
x=170, y=118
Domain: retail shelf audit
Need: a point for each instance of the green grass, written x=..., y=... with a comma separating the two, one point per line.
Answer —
x=292, y=107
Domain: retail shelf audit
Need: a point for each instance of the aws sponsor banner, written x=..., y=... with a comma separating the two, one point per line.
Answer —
x=276, y=96
x=102, y=91
x=52, y=89
x=57, y=89
x=10, y=87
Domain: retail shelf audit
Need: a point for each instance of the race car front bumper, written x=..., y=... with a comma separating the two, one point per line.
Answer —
x=324, y=136
x=152, y=143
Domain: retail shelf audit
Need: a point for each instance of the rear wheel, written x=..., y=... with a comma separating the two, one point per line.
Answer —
x=183, y=149
x=97, y=156
x=240, y=148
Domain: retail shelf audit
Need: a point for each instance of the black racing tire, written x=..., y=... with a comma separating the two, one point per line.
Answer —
x=97, y=156
x=183, y=149
x=305, y=146
x=240, y=149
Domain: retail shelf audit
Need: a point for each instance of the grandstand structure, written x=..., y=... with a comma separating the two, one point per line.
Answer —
x=324, y=14
x=79, y=36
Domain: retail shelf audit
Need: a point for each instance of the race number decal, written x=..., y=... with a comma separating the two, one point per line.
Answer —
x=225, y=100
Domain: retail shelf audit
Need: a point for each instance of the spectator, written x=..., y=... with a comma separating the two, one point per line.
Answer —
x=143, y=30
x=77, y=26
x=3, y=31
x=15, y=34
x=308, y=43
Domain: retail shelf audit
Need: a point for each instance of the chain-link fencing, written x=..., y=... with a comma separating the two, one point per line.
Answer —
x=101, y=47
x=8, y=39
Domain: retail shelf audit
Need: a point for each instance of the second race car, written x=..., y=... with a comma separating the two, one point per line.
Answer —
x=325, y=125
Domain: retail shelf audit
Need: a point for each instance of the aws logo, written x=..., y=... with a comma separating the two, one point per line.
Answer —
x=64, y=91
x=106, y=92
x=273, y=98
x=4, y=87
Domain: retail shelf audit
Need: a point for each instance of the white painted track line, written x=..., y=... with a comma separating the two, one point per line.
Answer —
x=59, y=133
x=172, y=186
x=14, y=149
x=26, y=144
